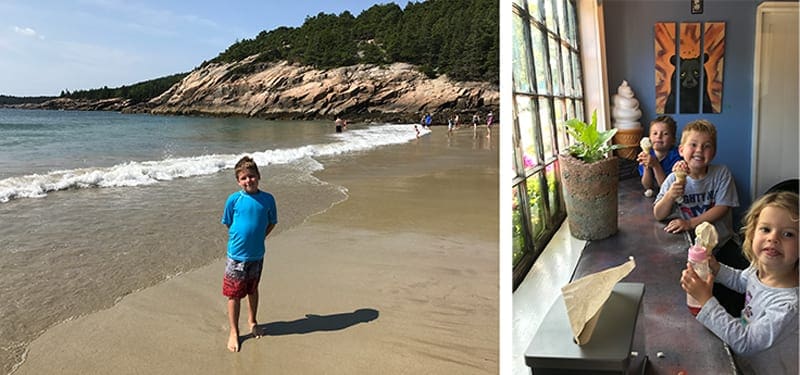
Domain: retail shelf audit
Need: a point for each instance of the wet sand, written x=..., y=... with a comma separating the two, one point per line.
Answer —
x=400, y=278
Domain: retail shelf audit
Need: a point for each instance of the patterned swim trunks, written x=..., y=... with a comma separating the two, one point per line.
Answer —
x=241, y=278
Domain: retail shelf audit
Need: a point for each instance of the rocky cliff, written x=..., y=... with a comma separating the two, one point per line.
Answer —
x=396, y=92
x=392, y=93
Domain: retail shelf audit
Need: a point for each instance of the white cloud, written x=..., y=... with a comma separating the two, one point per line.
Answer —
x=28, y=32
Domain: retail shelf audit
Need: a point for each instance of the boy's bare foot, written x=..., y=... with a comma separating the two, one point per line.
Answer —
x=255, y=331
x=233, y=342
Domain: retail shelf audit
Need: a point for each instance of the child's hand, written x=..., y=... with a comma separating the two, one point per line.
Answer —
x=645, y=159
x=676, y=190
x=713, y=264
x=677, y=226
x=698, y=288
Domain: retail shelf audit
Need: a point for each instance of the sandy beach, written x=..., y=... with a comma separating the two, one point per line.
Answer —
x=400, y=278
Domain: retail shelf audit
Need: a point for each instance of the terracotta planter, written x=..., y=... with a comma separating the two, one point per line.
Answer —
x=590, y=195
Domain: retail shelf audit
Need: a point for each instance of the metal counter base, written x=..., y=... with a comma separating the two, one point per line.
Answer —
x=554, y=352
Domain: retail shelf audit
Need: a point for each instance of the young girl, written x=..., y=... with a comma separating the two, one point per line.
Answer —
x=765, y=338
x=657, y=164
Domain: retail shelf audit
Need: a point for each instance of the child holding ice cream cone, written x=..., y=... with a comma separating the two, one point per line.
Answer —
x=765, y=338
x=708, y=193
x=658, y=154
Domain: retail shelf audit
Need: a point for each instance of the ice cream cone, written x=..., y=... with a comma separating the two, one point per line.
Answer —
x=680, y=169
x=706, y=236
x=646, y=145
x=680, y=176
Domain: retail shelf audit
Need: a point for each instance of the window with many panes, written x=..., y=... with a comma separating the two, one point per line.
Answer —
x=547, y=91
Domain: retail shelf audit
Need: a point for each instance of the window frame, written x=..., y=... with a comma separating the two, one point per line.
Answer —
x=563, y=103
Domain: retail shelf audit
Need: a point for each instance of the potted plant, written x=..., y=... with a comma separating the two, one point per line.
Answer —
x=590, y=177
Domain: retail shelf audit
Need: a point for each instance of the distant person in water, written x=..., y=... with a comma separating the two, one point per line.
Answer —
x=475, y=120
x=250, y=215
x=455, y=121
x=339, y=125
x=449, y=126
x=489, y=119
x=428, y=119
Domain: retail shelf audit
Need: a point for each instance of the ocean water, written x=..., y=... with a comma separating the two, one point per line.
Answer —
x=97, y=205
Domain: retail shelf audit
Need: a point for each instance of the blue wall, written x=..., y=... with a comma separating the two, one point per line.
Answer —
x=630, y=54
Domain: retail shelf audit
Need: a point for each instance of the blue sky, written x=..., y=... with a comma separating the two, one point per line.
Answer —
x=51, y=45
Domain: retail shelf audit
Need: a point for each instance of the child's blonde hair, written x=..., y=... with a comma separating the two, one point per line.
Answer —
x=781, y=199
x=246, y=163
x=700, y=126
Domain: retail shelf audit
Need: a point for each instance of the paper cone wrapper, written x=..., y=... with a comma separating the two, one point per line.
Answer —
x=586, y=296
x=629, y=138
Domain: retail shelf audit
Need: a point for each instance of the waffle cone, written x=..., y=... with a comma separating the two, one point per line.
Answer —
x=629, y=138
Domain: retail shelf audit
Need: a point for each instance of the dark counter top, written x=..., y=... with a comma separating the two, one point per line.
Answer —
x=674, y=341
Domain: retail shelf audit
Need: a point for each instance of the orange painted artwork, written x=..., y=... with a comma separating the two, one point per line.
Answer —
x=714, y=48
x=689, y=80
x=690, y=68
x=664, y=50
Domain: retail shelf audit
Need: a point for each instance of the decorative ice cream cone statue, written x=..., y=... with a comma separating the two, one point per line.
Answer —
x=626, y=114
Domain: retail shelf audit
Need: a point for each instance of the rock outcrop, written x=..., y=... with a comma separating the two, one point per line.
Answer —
x=392, y=93
x=396, y=92
x=113, y=104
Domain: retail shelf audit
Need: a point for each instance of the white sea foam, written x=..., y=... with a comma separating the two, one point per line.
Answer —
x=138, y=173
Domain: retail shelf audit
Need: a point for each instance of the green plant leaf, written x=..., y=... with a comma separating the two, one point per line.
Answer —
x=590, y=144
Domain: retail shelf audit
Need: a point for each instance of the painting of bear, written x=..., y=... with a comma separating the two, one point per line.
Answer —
x=690, y=86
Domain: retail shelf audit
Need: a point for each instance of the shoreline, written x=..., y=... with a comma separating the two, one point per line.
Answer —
x=440, y=117
x=414, y=248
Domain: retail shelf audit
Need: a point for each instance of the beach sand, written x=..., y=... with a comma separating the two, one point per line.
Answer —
x=400, y=278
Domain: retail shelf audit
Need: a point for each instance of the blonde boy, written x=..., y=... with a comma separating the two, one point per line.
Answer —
x=709, y=193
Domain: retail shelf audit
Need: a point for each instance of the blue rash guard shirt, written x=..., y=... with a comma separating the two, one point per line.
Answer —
x=666, y=165
x=247, y=217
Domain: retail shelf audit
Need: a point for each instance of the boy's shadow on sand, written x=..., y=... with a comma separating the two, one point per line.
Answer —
x=315, y=323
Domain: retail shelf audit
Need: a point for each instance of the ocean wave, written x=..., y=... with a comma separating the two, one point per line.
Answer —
x=139, y=173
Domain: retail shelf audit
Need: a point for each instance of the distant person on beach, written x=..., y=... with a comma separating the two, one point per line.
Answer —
x=250, y=215
x=339, y=125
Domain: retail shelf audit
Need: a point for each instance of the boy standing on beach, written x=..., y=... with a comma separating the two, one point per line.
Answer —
x=250, y=215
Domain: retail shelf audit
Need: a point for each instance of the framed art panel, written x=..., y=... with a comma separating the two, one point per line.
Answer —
x=714, y=49
x=665, y=51
x=690, y=68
